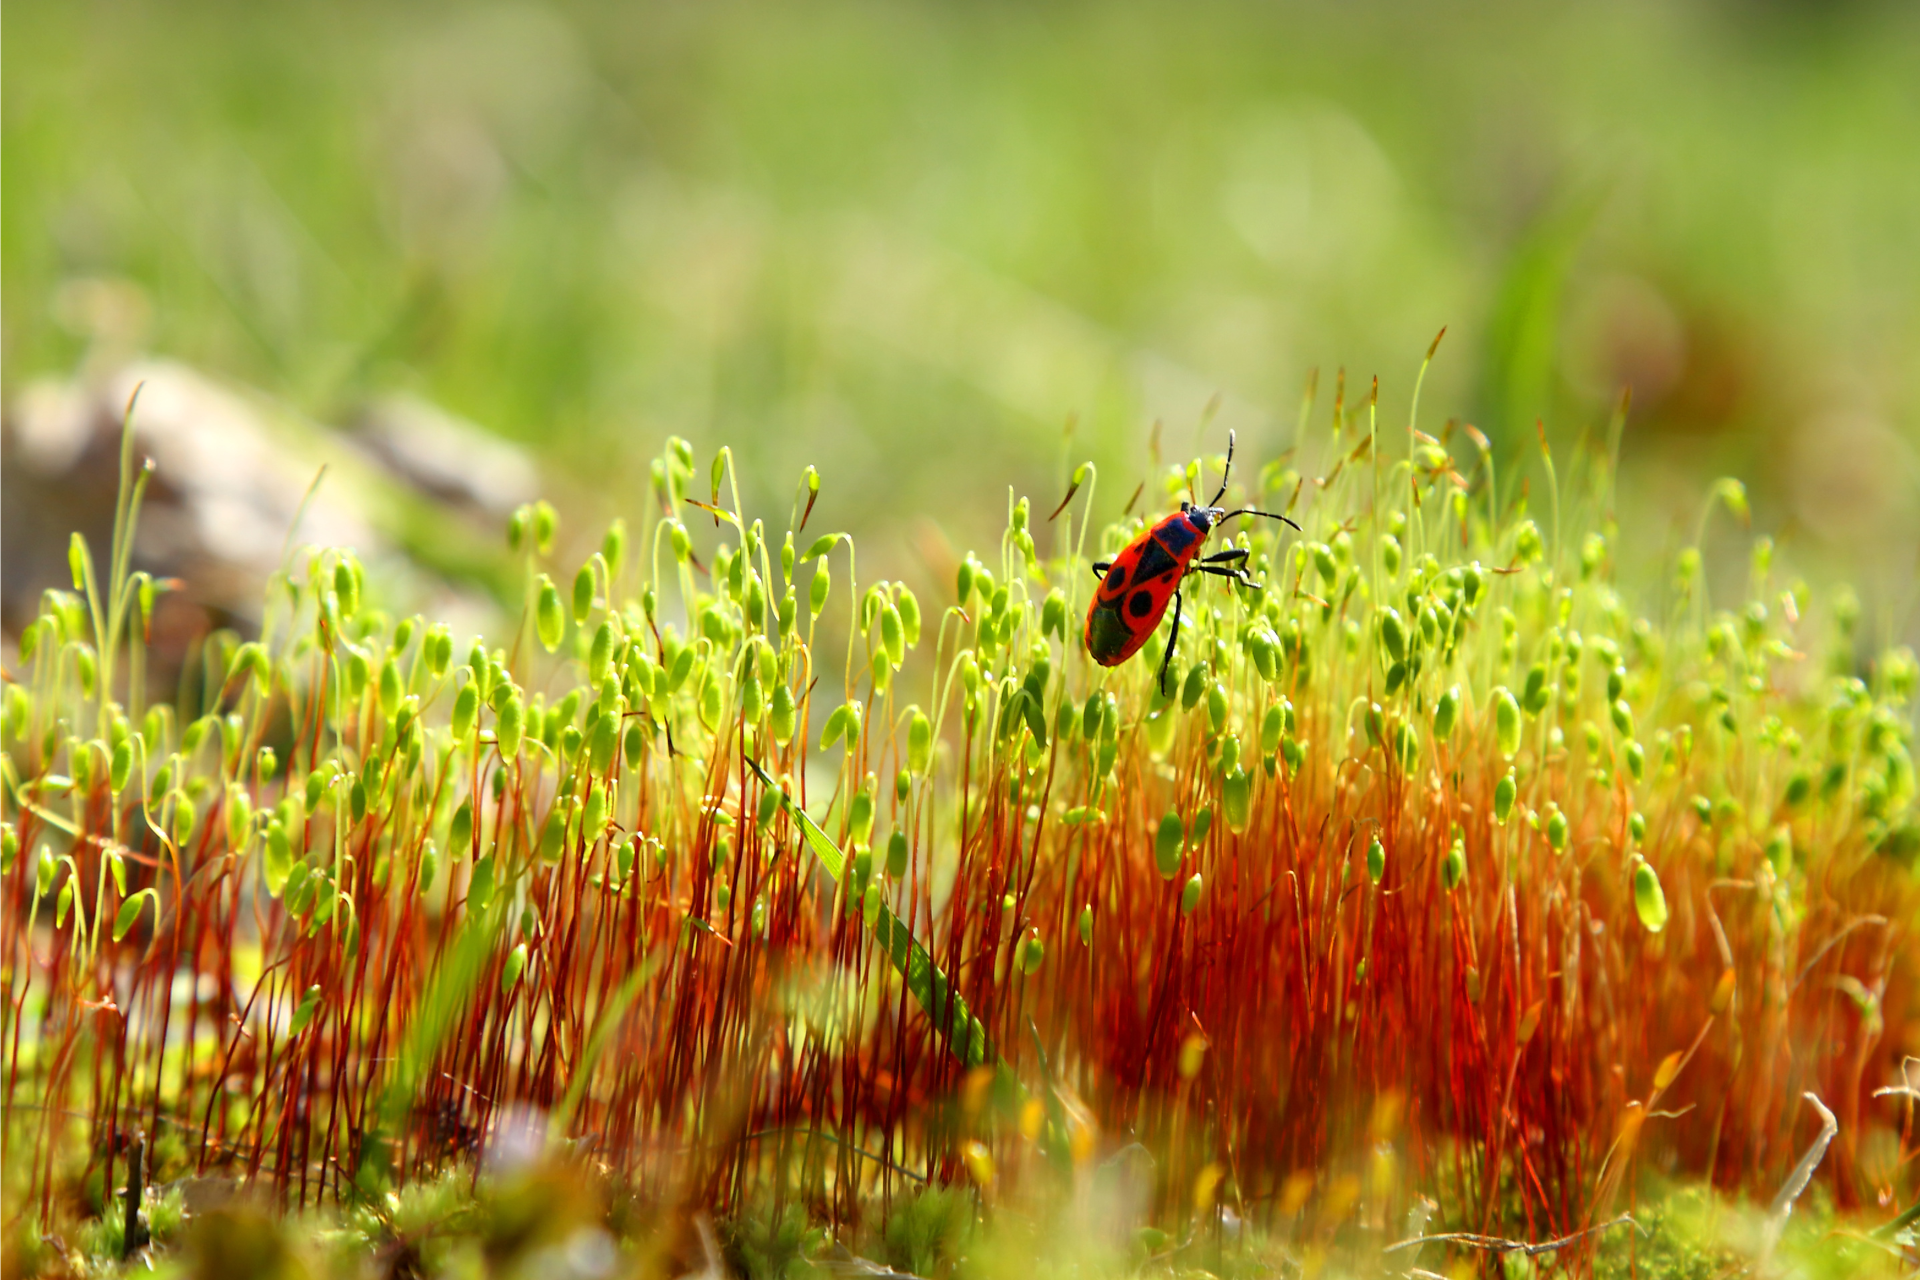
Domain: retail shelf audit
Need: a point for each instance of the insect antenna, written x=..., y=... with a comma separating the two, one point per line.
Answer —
x=1224, y=473
x=1249, y=511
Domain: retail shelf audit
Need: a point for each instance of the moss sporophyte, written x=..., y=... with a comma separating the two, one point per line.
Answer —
x=757, y=877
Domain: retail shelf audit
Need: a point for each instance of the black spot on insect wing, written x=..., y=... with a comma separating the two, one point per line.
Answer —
x=1140, y=603
x=1155, y=561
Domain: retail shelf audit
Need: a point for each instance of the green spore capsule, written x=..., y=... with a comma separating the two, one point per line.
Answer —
x=1086, y=925
x=460, y=830
x=1780, y=850
x=1393, y=633
x=1506, y=721
x=1236, y=799
x=1202, y=823
x=1535, y=693
x=817, y=591
x=550, y=619
x=515, y=966
x=1557, y=830
x=613, y=547
x=304, y=1012
x=1166, y=845
x=583, y=585
x=1446, y=713
x=509, y=723
x=1272, y=726
x=1194, y=687
x=183, y=820
x=785, y=713
x=1376, y=860
x=1649, y=899
x=860, y=815
x=1504, y=793
x=600, y=655
x=1160, y=728
x=1190, y=895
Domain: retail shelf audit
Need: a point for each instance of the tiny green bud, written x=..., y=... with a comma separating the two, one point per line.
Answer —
x=460, y=830
x=1504, y=793
x=1194, y=687
x=346, y=586
x=549, y=618
x=1445, y=713
x=516, y=965
x=1236, y=799
x=1557, y=830
x=817, y=592
x=1053, y=615
x=1506, y=721
x=1167, y=845
x=860, y=817
x=1780, y=849
x=1527, y=546
x=1649, y=900
x=183, y=820
x=583, y=593
x=785, y=713
x=509, y=722
x=1393, y=633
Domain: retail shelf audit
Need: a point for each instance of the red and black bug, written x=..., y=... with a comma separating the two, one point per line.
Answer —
x=1136, y=585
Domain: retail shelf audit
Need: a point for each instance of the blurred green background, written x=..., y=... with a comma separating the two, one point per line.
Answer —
x=905, y=242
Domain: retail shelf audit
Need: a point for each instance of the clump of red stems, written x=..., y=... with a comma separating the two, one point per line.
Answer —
x=1452, y=867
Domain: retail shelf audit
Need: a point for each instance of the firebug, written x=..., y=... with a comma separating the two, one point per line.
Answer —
x=1137, y=585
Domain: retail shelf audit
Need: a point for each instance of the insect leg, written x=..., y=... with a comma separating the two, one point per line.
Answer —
x=1238, y=574
x=1216, y=565
x=1172, y=635
x=1100, y=569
